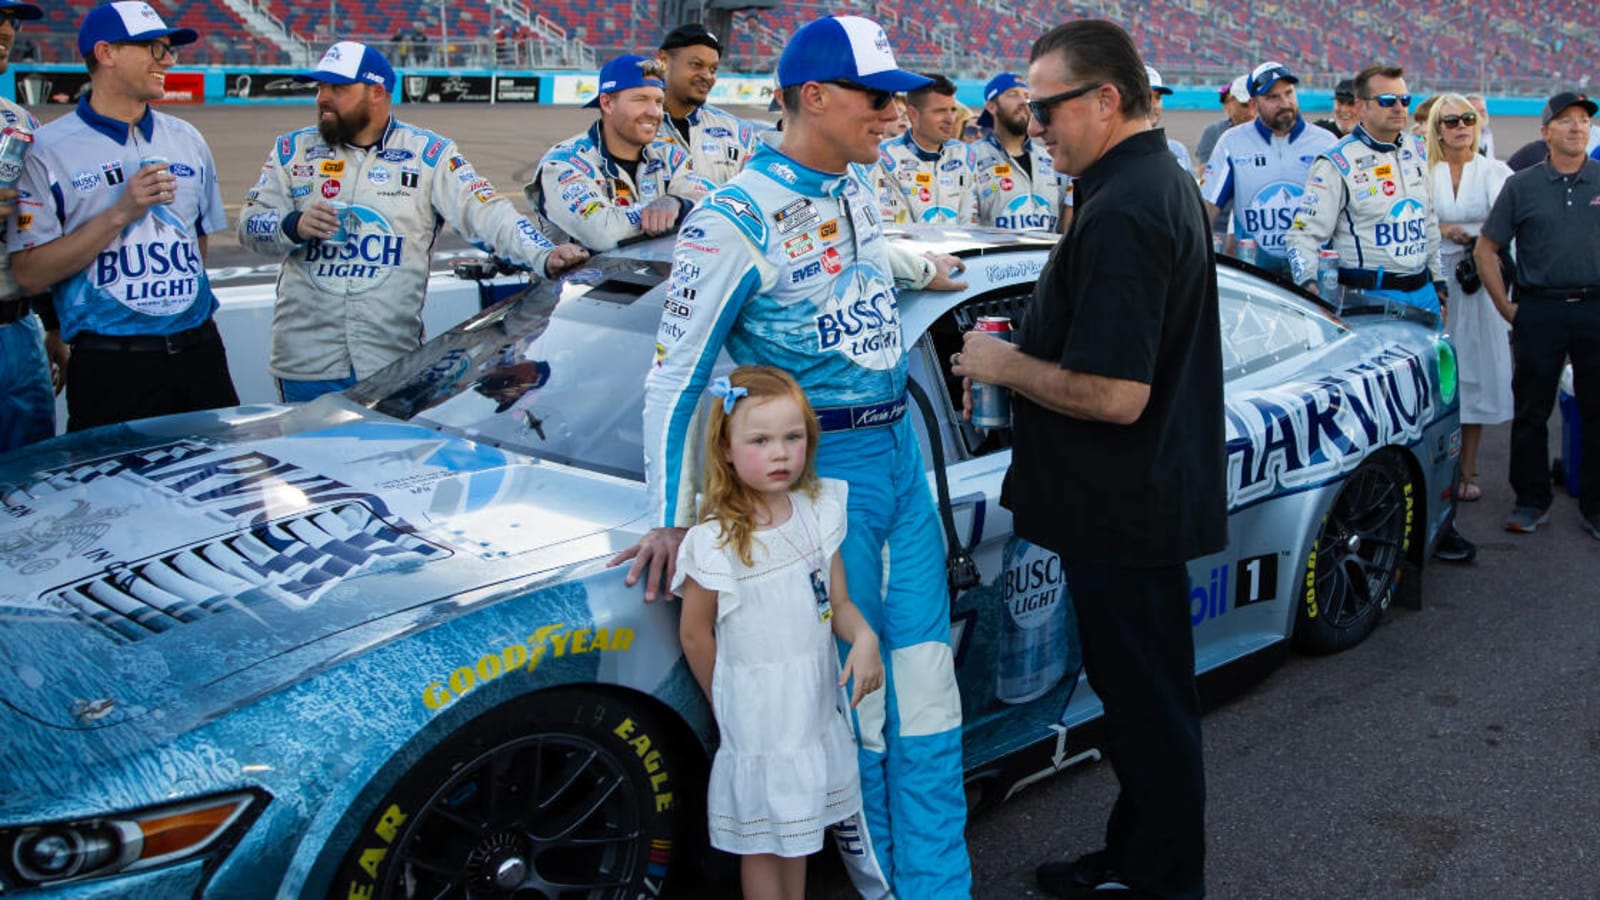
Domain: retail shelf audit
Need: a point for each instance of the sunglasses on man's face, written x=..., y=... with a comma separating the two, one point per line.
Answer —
x=1040, y=108
x=1452, y=120
x=878, y=99
x=1388, y=100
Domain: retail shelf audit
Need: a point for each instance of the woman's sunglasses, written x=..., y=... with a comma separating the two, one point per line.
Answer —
x=1451, y=121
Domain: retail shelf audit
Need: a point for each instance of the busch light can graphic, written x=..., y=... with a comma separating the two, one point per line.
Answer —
x=1249, y=250
x=14, y=144
x=1328, y=273
x=991, y=404
x=155, y=160
x=1032, y=656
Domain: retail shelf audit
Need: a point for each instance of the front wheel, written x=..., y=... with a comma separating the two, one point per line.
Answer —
x=1354, y=564
x=558, y=796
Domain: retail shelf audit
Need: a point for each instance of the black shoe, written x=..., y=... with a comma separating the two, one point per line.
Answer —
x=1455, y=548
x=1090, y=875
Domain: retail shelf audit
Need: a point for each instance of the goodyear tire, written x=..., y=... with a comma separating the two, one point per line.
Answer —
x=571, y=794
x=1354, y=564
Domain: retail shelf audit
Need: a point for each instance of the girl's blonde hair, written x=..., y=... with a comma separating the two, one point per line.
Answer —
x=1435, y=145
x=728, y=501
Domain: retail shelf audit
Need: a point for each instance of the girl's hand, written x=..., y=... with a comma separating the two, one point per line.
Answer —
x=865, y=665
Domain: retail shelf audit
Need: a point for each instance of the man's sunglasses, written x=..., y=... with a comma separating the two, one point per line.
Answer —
x=1040, y=108
x=878, y=99
x=8, y=16
x=1388, y=100
x=1452, y=120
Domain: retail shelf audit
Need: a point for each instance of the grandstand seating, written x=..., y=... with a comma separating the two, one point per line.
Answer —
x=1435, y=42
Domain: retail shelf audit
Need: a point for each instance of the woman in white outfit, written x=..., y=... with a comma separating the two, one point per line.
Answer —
x=1465, y=185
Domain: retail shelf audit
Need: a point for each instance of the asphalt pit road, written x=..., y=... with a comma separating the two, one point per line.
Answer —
x=1445, y=700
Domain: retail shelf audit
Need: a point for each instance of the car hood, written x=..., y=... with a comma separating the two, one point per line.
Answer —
x=180, y=566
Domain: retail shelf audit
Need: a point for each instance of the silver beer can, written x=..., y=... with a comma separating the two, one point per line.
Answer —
x=1249, y=250
x=1328, y=273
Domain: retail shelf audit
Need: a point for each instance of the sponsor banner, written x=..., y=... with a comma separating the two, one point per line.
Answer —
x=446, y=88
x=264, y=85
x=516, y=89
x=184, y=87
x=741, y=90
x=574, y=88
x=41, y=88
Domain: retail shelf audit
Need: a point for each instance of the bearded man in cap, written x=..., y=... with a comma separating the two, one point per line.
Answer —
x=1018, y=188
x=355, y=275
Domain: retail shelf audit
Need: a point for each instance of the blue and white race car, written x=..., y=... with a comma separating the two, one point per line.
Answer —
x=370, y=647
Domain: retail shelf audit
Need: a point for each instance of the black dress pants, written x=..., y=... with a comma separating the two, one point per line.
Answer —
x=1545, y=333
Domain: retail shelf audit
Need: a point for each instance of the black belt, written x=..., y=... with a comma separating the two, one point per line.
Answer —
x=1388, y=281
x=1570, y=295
x=149, y=343
x=12, y=310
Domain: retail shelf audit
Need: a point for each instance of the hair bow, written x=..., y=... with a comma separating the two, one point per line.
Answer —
x=720, y=387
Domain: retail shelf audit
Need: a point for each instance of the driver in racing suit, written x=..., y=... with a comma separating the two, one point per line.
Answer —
x=916, y=184
x=787, y=266
x=1370, y=195
x=348, y=308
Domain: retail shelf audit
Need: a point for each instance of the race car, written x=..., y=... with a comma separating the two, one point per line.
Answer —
x=371, y=647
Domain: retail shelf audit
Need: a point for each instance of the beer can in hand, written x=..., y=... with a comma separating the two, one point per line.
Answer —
x=1248, y=250
x=14, y=146
x=991, y=403
x=156, y=160
x=1328, y=273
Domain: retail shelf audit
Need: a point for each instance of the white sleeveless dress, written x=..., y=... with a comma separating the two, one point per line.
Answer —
x=1483, y=348
x=786, y=768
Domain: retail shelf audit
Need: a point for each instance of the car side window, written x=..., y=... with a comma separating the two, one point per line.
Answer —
x=1260, y=327
x=944, y=338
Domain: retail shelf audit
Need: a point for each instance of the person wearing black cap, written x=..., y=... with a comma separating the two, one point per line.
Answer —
x=354, y=277
x=1346, y=112
x=717, y=141
x=618, y=180
x=1552, y=211
x=27, y=402
x=119, y=201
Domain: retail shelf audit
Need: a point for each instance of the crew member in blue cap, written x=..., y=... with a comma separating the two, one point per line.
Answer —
x=787, y=266
x=27, y=403
x=1018, y=187
x=617, y=180
x=118, y=201
x=355, y=274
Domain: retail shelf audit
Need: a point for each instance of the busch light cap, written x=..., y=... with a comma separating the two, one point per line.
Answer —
x=1268, y=74
x=627, y=71
x=24, y=11
x=351, y=62
x=128, y=20
x=844, y=48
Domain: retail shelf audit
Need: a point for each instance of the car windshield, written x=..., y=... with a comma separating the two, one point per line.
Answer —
x=1260, y=327
x=556, y=373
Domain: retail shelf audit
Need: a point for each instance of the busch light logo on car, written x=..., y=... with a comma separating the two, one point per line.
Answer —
x=368, y=253
x=861, y=322
x=1270, y=213
x=1033, y=623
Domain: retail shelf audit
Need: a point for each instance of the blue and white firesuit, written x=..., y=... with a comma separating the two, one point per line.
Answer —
x=933, y=187
x=1373, y=203
x=1011, y=197
x=1262, y=177
x=786, y=266
x=27, y=401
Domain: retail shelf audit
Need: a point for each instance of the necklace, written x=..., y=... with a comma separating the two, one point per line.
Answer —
x=819, y=587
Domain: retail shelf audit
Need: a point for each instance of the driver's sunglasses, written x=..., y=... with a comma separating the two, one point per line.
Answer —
x=878, y=99
x=1388, y=100
x=159, y=50
x=7, y=16
x=1040, y=108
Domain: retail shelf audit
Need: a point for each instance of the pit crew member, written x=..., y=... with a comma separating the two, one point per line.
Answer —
x=718, y=141
x=1017, y=187
x=926, y=174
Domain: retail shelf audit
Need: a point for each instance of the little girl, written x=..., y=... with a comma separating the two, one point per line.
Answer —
x=763, y=596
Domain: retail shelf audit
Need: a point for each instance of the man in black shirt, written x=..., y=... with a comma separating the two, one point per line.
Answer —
x=1117, y=460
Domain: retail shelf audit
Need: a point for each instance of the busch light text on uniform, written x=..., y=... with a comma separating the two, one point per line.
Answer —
x=362, y=256
x=868, y=325
x=166, y=271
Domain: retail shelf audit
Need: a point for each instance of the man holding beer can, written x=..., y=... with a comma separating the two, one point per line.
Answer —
x=27, y=403
x=121, y=245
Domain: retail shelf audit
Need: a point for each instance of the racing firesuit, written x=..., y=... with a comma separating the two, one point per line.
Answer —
x=27, y=402
x=1009, y=196
x=788, y=267
x=358, y=305
x=917, y=185
x=579, y=193
x=718, y=142
x=1373, y=201
x=1262, y=177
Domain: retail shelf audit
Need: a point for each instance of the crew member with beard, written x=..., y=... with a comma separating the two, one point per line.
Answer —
x=115, y=203
x=617, y=180
x=1018, y=188
x=1259, y=168
x=718, y=142
x=352, y=207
